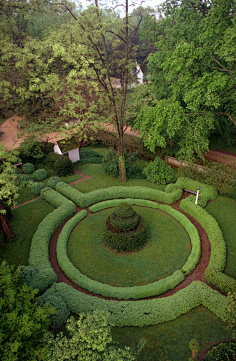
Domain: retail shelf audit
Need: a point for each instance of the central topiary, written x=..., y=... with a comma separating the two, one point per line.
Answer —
x=125, y=229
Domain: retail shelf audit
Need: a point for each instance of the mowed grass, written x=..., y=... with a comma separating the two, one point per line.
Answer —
x=25, y=222
x=224, y=211
x=99, y=179
x=167, y=249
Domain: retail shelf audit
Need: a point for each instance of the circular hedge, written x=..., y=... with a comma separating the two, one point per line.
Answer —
x=40, y=174
x=28, y=168
x=36, y=188
x=125, y=229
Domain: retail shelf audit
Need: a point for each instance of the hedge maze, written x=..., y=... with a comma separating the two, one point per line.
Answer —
x=129, y=307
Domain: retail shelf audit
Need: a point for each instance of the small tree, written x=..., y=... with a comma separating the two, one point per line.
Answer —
x=22, y=320
x=8, y=188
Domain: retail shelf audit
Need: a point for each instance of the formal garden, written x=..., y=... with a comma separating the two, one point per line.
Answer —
x=134, y=250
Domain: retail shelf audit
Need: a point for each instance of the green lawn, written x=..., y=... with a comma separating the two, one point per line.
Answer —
x=167, y=249
x=25, y=222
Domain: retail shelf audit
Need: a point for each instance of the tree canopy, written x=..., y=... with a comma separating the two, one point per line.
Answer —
x=193, y=75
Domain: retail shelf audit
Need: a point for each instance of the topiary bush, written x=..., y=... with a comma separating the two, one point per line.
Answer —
x=36, y=188
x=62, y=312
x=222, y=352
x=63, y=166
x=159, y=172
x=50, y=159
x=25, y=179
x=28, y=168
x=125, y=229
x=40, y=174
x=52, y=182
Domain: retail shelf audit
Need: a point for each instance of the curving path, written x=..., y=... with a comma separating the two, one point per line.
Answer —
x=197, y=275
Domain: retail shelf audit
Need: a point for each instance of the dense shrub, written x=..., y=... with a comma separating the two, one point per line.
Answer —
x=63, y=166
x=70, y=192
x=40, y=174
x=222, y=352
x=159, y=172
x=34, y=151
x=111, y=165
x=28, y=168
x=55, y=198
x=25, y=179
x=171, y=187
x=16, y=170
x=62, y=312
x=36, y=188
x=50, y=159
x=52, y=182
x=40, y=278
x=88, y=156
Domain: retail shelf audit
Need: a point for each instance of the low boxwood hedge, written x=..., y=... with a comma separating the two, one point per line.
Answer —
x=145, y=312
x=55, y=198
x=53, y=181
x=216, y=265
x=36, y=188
x=28, y=168
x=71, y=193
x=40, y=174
x=25, y=179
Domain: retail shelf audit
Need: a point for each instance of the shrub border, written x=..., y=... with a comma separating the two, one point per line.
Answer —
x=135, y=292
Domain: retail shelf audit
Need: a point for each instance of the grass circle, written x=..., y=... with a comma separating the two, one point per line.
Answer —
x=167, y=250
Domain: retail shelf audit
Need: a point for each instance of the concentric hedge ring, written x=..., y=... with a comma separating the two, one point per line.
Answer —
x=136, y=292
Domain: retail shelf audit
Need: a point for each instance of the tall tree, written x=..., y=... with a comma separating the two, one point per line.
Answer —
x=195, y=59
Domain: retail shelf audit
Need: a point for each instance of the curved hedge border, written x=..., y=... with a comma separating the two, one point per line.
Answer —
x=213, y=273
x=85, y=200
x=135, y=292
x=145, y=312
x=39, y=256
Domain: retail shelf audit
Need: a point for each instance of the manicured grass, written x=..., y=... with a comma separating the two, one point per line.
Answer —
x=25, y=222
x=167, y=250
x=101, y=180
x=170, y=341
x=224, y=211
x=24, y=195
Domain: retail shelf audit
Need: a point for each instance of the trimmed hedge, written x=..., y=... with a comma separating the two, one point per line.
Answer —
x=55, y=198
x=145, y=312
x=40, y=279
x=63, y=166
x=28, y=168
x=53, y=181
x=155, y=288
x=36, y=188
x=71, y=193
x=62, y=312
x=216, y=265
x=25, y=179
x=40, y=175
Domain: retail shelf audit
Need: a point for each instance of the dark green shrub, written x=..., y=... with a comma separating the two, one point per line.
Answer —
x=88, y=156
x=62, y=312
x=159, y=172
x=125, y=229
x=36, y=188
x=33, y=151
x=63, y=166
x=25, y=179
x=50, y=160
x=16, y=170
x=40, y=279
x=222, y=352
x=171, y=187
x=52, y=182
x=40, y=174
x=28, y=168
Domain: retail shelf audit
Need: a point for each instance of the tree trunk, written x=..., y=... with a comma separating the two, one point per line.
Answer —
x=6, y=227
x=122, y=170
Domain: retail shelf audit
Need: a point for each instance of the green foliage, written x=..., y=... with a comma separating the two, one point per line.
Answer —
x=63, y=166
x=62, y=312
x=55, y=198
x=231, y=306
x=36, y=188
x=33, y=151
x=25, y=179
x=171, y=187
x=111, y=165
x=88, y=156
x=207, y=192
x=50, y=160
x=222, y=352
x=23, y=321
x=68, y=191
x=28, y=168
x=159, y=172
x=124, y=209
x=53, y=181
x=89, y=338
x=40, y=174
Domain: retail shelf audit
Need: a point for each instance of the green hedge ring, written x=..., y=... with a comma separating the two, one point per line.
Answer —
x=136, y=292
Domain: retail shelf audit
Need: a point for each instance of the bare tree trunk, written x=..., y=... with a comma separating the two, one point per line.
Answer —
x=122, y=169
x=6, y=227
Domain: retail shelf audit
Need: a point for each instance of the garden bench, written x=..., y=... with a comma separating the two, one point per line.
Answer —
x=189, y=191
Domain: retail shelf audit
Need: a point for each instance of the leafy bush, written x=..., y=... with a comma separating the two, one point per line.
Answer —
x=88, y=156
x=34, y=151
x=16, y=170
x=52, y=182
x=36, y=188
x=50, y=159
x=222, y=352
x=111, y=165
x=63, y=166
x=25, y=179
x=28, y=168
x=159, y=172
x=38, y=279
x=171, y=187
x=40, y=174
x=62, y=312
